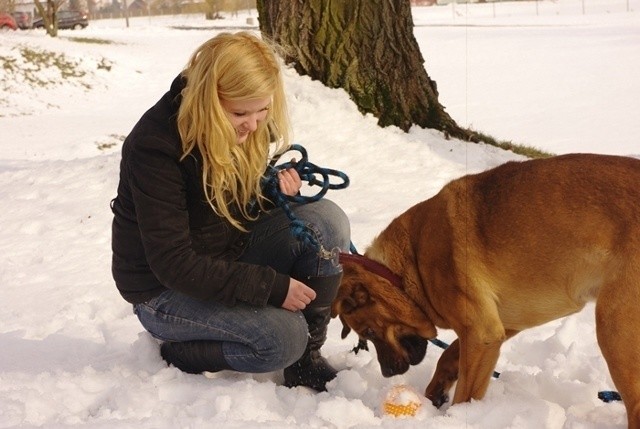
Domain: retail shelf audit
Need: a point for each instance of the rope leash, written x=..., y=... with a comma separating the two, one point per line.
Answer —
x=604, y=396
x=609, y=396
x=314, y=176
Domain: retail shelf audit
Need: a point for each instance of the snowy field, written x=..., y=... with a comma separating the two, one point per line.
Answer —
x=558, y=75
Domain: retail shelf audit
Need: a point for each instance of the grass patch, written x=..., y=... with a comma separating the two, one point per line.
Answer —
x=105, y=146
x=35, y=66
x=47, y=59
x=34, y=61
x=114, y=140
x=528, y=151
x=91, y=40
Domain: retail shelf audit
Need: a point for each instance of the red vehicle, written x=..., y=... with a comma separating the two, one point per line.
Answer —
x=7, y=22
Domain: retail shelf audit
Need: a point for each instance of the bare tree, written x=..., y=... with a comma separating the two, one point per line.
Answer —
x=366, y=47
x=213, y=8
x=80, y=5
x=49, y=13
x=7, y=5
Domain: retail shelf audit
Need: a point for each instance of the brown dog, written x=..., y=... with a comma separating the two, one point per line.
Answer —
x=498, y=252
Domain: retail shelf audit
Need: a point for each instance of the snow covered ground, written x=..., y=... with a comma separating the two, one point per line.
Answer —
x=559, y=75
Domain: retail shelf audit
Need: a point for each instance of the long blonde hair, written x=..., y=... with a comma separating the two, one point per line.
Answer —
x=238, y=66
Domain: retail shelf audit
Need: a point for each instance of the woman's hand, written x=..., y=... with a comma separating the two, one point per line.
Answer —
x=289, y=181
x=298, y=296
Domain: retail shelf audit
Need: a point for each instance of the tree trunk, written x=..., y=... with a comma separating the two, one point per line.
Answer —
x=366, y=47
x=49, y=15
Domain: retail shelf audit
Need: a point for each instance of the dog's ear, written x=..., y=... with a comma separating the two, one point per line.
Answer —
x=360, y=295
x=342, y=305
x=347, y=302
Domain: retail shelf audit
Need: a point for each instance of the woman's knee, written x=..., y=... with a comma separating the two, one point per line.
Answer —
x=284, y=344
x=294, y=342
x=330, y=221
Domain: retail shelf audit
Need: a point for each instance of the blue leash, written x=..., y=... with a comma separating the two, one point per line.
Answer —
x=314, y=176
x=605, y=395
x=609, y=396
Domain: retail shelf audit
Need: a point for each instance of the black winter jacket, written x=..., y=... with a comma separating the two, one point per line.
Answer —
x=165, y=234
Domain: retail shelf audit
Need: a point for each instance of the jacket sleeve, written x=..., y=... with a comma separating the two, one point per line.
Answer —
x=159, y=195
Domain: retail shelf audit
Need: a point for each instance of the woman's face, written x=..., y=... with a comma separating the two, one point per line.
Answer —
x=244, y=115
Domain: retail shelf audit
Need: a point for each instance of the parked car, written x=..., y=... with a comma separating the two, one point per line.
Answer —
x=67, y=19
x=7, y=22
x=23, y=19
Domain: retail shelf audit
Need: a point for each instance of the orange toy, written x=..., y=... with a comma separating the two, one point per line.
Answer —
x=402, y=401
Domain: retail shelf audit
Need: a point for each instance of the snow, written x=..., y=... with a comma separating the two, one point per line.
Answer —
x=557, y=75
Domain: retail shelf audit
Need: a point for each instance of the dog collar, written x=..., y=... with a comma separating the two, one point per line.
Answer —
x=373, y=267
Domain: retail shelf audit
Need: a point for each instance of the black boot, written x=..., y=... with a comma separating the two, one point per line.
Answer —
x=195, y=357
x=312, y=370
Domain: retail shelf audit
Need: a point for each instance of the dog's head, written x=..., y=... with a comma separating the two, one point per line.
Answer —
x=384, y=314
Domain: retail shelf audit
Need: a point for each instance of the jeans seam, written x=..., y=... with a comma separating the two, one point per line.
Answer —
x=172, y=317
x=320, y=240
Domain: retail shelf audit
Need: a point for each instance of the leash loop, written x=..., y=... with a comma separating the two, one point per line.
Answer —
x=309, y=173
x=314, y=176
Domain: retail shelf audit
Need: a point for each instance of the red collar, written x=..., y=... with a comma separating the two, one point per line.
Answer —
x=373, y=267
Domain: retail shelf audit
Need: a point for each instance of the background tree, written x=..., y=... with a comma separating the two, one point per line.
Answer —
x=49, y=12
x=7, y=5
x=213, y=8
x=366, y=47
x=82, y=6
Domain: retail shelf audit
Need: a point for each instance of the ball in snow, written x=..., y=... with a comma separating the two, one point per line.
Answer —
x=401, y=401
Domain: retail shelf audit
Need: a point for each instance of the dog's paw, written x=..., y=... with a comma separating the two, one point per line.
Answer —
x=362, y=345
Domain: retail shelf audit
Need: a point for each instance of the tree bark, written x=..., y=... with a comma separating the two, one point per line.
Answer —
x=49, y=15
x=366, y=47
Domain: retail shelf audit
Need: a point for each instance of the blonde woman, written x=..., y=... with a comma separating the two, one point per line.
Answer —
x=210, y=266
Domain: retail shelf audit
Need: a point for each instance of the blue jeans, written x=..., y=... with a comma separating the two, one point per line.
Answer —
x=257, y=339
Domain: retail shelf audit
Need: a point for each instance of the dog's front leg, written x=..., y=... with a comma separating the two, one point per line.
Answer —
x=445, y=375
x=477, y=362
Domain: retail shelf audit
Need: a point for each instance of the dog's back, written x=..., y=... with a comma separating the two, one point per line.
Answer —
x=567, y=225
x=566, y=228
